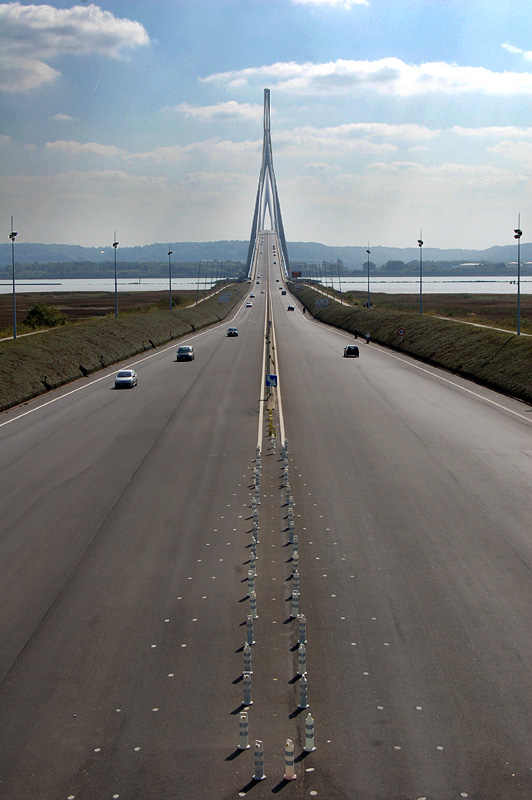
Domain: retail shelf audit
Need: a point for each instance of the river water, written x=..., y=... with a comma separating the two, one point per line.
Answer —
x=495, y=284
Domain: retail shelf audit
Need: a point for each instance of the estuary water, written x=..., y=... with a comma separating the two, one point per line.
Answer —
x=102, y=285
x=493, y=284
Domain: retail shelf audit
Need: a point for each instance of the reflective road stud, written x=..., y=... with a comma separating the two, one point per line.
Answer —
x=309, y=734
x=289, y=774
x=259, y=762
x=243, y=743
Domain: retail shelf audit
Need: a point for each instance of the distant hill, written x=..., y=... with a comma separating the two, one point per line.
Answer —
x=353, y=257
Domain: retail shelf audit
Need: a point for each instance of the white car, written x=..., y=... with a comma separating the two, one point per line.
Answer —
x=249, y=305
x=125, y=379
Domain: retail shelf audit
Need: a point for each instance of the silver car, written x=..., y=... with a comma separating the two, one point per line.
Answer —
x=126, y=379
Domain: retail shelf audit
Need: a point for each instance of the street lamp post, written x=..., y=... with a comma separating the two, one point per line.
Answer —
x=517, y=235
x=115, y=245
x=420, y=243
x=197, y=283
x=339, y=282
x=13, y=236
x=368, y=251
x=169, y=278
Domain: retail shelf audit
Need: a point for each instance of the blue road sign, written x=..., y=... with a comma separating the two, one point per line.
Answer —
x=271, y=380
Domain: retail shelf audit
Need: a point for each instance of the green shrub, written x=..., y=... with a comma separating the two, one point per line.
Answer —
x=41, y=315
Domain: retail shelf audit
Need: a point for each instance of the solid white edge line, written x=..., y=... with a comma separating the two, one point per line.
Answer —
x=159, y=352
x=411, y=363
x=457, y=385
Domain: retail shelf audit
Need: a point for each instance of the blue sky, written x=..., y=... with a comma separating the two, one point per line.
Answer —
x=388, y=116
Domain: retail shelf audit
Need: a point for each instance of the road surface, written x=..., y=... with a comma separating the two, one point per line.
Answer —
x=125, y=533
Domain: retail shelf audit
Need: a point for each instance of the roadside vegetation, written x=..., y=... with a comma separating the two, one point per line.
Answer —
x=31, y=365
x=493, y=358
x=495, y=310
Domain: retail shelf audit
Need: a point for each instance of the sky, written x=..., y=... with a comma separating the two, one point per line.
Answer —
x=388, y=117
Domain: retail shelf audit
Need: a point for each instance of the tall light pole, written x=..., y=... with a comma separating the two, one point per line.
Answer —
x=115, y=245
x=420, y=243
x=169, y=278
x=13, y=236
x=368, y=251
x=517, y=235
x=197, y=284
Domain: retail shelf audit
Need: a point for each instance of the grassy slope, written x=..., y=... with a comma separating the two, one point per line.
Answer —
x=493, y=358
x=31, y=365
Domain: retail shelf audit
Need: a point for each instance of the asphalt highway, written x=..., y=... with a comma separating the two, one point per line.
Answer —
x=125, y=539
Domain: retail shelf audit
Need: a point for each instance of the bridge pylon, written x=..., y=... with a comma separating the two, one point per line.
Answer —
x=267, y=202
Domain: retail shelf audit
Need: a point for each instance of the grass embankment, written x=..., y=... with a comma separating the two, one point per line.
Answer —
x=493, y=358
x=32, y=365
x=495, y=310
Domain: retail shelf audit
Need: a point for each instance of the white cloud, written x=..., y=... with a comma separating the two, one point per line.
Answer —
x=229, y=110
x=32, y=35
x=495, y=132
x=5, y=139
x=208, y=150
x=64, y=118
x=511, y=49
x=385, y=76
x=519, y=153
x=82, y=148
x=346, y=4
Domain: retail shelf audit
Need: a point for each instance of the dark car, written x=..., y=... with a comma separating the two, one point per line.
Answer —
x=283, y=291
x=290, y=308
x=232, y=331
x=185, y=353
x=351, y=351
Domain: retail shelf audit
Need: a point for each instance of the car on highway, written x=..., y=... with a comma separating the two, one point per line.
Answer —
x=290, y=308
x=185, y=353
x=351, y=351
x=249, y=305
x=232, y=331
x=126, y=379
x=252, y=295
x=283, y=291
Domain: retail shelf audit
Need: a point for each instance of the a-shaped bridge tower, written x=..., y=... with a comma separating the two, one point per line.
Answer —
x=267, y=202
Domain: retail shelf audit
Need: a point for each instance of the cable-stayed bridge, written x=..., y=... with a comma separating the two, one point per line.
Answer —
x=267, y=214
